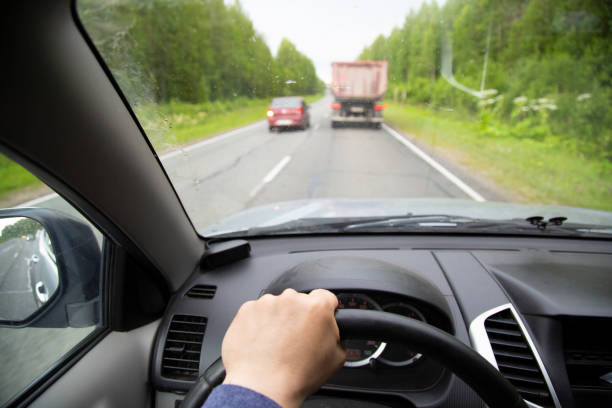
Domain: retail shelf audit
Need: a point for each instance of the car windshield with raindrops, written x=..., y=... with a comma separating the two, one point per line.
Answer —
x=457, y=116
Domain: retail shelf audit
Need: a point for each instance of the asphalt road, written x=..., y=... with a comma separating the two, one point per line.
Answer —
x=253, y=166
x=16, y=294
x=24, y=264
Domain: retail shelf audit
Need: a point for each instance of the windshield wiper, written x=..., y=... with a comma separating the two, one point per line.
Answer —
x=428, y=221
x=449, y=223
x=424, y=223
x=324, y=225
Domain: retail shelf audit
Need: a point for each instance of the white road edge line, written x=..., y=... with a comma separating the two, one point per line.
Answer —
x=212, y=140
x=163, y=157
x=37, y=201
x=445, y=172
x=270, y=176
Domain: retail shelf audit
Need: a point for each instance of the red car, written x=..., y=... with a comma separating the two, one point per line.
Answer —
x=290, y=111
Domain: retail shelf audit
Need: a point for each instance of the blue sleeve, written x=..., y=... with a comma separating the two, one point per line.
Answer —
x=230, y=396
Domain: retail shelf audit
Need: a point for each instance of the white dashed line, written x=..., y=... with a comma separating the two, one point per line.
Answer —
x=270, y=176
x=446, y=173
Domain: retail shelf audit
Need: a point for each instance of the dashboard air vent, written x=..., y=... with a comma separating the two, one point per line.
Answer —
x=181, y=358
x=515, y=358
x=202, y=291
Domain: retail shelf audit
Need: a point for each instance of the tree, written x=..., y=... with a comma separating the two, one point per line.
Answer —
x=22, y=227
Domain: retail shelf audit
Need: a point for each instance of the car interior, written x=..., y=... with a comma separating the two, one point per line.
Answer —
x=497, y=315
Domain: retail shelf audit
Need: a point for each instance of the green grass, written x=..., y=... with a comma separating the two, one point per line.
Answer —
x=14, y=178
x=545, y=171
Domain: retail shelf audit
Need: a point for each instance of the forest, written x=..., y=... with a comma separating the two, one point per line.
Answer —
x=193, y=51
x=532, y=69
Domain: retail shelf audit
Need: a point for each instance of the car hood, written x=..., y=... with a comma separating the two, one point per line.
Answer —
x=285, y=211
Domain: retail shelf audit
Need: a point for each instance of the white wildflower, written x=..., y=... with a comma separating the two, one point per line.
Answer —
x=519, y=100
x=543, y=101
x=583, y=96
x=486, y=102
x=525, y=109
x=550, y=106
x=488, y=92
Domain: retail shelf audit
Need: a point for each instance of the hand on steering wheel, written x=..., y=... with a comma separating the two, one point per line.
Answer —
x=284, y=347
x=287, y=346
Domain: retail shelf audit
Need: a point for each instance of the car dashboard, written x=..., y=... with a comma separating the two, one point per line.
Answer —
x=538, y=309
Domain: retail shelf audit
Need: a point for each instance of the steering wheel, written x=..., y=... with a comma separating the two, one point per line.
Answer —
x=419, y=337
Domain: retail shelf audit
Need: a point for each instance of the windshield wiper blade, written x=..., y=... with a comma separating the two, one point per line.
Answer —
x=453, y=223
x=422, y=223
x=302, y=226
x=428, y=221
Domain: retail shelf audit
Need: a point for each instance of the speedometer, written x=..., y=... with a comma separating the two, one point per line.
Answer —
x=397, y=355
x=359, y=352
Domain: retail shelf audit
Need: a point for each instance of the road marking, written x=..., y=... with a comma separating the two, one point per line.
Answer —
x=210, y=141
x=15, y=292
x=29, y=274
x=317, y=126
x=270, y=176
x=16, y=255
x=36, y=201
x=164, y=157
x=446, y=173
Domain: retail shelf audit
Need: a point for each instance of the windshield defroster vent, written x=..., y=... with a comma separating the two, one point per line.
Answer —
x=181, y=357
x=515, y=358
x=202, y=291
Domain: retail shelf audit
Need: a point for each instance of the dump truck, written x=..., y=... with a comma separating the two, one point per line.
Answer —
x=358, y=87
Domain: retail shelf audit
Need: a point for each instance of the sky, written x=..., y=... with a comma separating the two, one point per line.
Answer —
x=327, y=30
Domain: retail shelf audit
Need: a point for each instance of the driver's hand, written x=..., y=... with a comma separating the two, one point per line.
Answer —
x=284, y=347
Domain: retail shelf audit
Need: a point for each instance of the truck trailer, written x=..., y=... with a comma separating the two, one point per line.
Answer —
x=357, y=87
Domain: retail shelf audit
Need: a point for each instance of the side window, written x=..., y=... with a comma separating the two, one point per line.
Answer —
x=50, y=280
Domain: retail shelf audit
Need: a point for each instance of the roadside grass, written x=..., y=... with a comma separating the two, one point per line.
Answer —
x=533, y=171
x=168, y=126
x=15, y=178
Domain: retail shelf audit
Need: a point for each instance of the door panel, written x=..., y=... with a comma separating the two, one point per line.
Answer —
x=114, y=373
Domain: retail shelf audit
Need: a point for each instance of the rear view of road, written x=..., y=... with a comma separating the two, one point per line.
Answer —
x=16, y=293
x=253, y=167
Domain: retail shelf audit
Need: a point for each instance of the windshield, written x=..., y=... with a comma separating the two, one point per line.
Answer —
x=297, y=117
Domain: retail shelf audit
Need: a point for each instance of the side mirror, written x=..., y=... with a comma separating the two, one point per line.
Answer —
x=50, y=266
